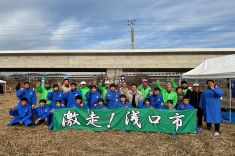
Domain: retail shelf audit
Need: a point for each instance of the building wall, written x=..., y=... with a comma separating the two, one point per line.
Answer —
x=114, y=61
x=105, y=61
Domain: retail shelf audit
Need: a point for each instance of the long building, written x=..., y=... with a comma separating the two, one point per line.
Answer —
x=113, y=62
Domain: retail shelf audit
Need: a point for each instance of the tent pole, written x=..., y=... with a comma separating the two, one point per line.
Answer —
x=180, y=79
x=230, y=100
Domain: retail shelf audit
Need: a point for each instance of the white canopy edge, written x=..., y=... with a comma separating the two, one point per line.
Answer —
x=214, y=68
x=1, y=81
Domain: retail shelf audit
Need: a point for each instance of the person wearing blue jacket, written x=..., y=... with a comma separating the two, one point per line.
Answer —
x=22, y=113
x=93, y=96
x=55, y=95
x=79, y=103
x=58, y=105
x=145, y=104
x=156, y=98
x=170, y=105
x=27, y=92
x=100, y=104
x=123, y=102
x=71, y=95
x=42, y=113
x=112, y=97
x=185, y=104
x=211, y=105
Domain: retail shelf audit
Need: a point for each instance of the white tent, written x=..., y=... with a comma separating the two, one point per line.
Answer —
x=218, y=67
x=5, y=85
x=215, y=68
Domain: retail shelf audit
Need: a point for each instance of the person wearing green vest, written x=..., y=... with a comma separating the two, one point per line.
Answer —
x=104, y=89
x=84, y=90
x=144, y=88
x=43, y=91
x=184, y=85
x=168, y=93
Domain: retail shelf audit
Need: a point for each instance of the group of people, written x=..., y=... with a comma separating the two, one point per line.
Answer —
x=104, y=95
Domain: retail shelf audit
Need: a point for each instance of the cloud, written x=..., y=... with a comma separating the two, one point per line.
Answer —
x=16, y=29
x=102, y=24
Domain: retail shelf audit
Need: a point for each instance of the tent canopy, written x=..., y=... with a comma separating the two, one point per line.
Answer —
x=1, y=81
x=214, y=68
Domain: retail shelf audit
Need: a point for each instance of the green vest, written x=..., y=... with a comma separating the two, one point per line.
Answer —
x=144, y=91
x=43, y=93
x=84, y=91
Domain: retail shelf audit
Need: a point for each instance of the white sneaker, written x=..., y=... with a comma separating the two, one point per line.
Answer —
x=216, y=134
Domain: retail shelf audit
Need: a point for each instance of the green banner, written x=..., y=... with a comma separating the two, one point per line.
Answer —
x=130, y=119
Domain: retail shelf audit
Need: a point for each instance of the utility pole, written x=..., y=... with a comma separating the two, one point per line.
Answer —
x=131, y=23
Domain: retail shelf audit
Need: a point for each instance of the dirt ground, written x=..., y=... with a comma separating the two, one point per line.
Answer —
x=21, y=140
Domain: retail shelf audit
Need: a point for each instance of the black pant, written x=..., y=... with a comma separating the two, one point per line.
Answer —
x=217, y=126
x=199, y=117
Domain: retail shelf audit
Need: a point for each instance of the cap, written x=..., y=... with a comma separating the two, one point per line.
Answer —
x=106, y=82
x=83, y=83
x=144, y=80
x=66, y=78
x=195, y=85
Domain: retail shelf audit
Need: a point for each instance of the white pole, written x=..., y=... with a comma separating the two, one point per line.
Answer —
x=180, y=79
x=230, y=100
x=5, y=88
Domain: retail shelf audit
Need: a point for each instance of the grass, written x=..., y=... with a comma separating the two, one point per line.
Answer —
x=20, y=140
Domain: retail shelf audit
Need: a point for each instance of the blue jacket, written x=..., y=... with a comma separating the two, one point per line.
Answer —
x=92, y=98
x=112, y=98
x=29, y=94
x=22, y=112
x=78, y=106
x=164, y=107
x=156, y=101
x=211, y=104
x=55, y=107
x=121, y=105
x=61, y=107
x=100, y=107
x=70, y=97
x=185, y=107
x=54, y=96
x=43, y=112
x=142, y=105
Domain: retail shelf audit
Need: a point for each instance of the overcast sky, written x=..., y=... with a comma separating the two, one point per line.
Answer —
x=103, y=24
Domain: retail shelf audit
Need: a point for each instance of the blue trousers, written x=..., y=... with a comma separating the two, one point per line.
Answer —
x=16, y=120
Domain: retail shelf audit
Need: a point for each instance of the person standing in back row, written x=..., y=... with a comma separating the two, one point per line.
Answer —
x=84, y=90
x=194, y=101
x=211, y=104
x=185, y=87
x=144, y=88
x=168, y=93
x=134, y=96
x=44, y=90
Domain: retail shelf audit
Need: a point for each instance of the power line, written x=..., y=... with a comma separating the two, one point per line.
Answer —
x=132, y=33
x=77, y=39
x=80, y=26
x=61, y=34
